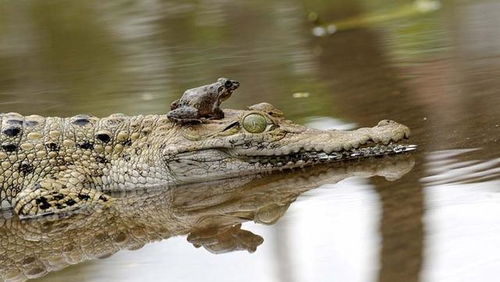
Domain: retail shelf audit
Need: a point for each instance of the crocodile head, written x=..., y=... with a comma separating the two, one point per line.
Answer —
x=261, y=139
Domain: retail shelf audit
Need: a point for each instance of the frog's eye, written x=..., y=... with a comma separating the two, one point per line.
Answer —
x=228, y=84
x=255, y=123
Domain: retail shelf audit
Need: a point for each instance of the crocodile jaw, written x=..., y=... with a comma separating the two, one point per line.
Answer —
x=301, y=148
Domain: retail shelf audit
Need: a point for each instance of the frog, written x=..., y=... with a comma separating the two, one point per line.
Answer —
x=203, y=102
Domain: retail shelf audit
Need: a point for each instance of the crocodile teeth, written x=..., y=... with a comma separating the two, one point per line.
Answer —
x=355, y=154
x=405, y=148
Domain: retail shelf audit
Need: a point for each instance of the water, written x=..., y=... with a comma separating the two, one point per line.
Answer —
x=324, y=63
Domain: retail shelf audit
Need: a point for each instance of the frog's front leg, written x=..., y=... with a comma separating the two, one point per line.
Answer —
x=217, y=114
x=59, y=194
x=184, y=114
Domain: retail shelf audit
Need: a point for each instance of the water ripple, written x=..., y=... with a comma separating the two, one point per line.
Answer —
x=455, y=166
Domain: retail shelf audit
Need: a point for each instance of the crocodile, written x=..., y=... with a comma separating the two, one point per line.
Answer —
x=54, y=165
x=210, y=216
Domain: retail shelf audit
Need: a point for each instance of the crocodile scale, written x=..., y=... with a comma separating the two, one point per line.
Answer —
x=51, y=164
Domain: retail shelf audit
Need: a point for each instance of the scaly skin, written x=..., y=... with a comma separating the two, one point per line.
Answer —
x=59, y=165
x=210, y=214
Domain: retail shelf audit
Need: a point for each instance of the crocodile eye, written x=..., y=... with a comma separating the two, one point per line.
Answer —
x=228, y=84
x=255, y=123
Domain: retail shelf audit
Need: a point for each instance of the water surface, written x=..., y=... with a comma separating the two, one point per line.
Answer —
x=434, y=69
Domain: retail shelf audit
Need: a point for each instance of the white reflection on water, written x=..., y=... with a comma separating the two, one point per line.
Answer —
x=335, y=233
x=463, y=226
x=177, y=260
x=329, y=235
x=462, y=218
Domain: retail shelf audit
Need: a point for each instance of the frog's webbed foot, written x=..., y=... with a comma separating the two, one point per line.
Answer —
x=184, y=114
x=57, y=196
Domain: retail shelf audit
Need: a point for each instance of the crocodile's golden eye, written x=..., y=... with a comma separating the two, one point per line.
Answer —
x=255, y=123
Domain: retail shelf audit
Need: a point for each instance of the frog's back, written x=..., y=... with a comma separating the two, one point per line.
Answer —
x=202, y=98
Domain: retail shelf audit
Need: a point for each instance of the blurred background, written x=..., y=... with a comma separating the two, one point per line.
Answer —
x=432, y=65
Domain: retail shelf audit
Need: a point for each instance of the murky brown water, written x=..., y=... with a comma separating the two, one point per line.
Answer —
x=434, y=68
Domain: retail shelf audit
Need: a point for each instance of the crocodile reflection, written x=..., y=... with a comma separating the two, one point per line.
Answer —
x=210, y=214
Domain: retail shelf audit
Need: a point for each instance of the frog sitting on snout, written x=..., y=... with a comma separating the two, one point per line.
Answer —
x=202, y=102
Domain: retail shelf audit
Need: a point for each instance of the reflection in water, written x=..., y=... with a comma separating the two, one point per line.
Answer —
x=462, y=224
x=209, y=214
x=401, y=227
x=335, y=237
x=457, y=166
x=462, y=202
x=415, y=8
